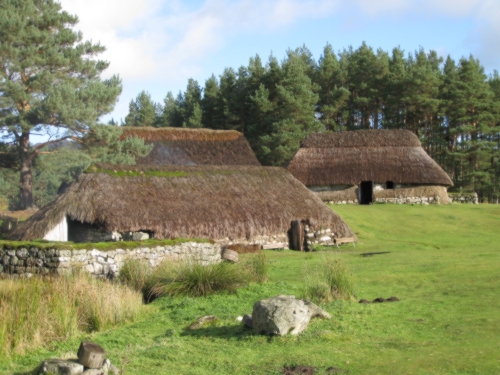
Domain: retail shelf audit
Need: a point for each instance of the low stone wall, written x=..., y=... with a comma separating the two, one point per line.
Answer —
x=463, y=198
x=33, y=260
x=319, y=237
x=402, y=194
x=278, y=241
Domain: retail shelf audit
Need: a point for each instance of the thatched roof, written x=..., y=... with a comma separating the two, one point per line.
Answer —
x=179, y=146
x=365, y=155
x=202, y=201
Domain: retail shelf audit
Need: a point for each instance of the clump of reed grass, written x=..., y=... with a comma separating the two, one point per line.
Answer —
x=192, y=278
x=138, y=275
x=332, y=280
x=39, y=310
x=260, y=267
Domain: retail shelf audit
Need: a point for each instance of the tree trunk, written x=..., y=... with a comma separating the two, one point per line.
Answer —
x=26, y=181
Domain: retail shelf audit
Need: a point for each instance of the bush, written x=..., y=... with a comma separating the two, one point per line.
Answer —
x=197, y=280
x=331, y=281
x=260, y=267
x=39, y=310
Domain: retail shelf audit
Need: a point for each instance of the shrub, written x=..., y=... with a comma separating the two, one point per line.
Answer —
x=38, y=310
x=332, y=280
x=196, y=280
x=260, y=267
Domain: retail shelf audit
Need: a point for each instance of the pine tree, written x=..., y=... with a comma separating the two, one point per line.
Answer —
x=49, y=81
x=209, y=102
x=171, y=112
x=295, y=114
x=190, y=107
x=143, y=111
x=332, y=96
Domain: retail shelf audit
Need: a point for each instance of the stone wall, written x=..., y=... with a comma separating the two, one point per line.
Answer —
x=463, y=198
x=33, y=260
x=401, y=194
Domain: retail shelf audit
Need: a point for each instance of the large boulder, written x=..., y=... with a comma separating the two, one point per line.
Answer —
x=60, y=367
x=284, y=314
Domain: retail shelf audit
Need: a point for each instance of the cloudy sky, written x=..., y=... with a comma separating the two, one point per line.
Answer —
x=156, y=45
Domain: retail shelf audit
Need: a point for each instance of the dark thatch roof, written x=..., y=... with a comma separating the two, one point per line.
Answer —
x=179, y=146
x=203, y=201
x=365, y=155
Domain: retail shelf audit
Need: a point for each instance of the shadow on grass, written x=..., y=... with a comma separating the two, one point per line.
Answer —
x=237, y=332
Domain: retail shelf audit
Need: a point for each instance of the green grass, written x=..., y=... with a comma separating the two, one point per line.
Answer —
x=103, y=246
x=442, y=262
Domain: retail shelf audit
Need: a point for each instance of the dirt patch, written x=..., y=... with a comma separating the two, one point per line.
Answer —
x=335, y=370
x=380, y=300
x=374, y=253
x=305, y=370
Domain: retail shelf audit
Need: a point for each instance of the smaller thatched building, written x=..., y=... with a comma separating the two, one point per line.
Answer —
x=369, y=165
x=180, y=146
x=228, y=204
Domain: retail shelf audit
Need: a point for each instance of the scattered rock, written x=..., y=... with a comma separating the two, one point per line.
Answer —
x=113, y=370
x=364, y=301
x=60, y=367
x=378, y=300
x=284, y=314
x=305, y=370
x=91, y=355
x=247, y=321
x=202, y=320
x=239, y=318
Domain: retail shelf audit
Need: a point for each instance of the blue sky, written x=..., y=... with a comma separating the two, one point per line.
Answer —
x=156, y=45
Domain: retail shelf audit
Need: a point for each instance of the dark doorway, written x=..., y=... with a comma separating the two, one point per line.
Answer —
x=366, y=192
x=389, y=185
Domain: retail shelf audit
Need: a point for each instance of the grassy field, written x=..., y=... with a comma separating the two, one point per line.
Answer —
x=442, y=262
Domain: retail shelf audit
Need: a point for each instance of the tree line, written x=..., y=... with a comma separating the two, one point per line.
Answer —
x=453, y=106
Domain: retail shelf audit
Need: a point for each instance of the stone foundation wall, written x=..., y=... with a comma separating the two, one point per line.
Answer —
x=402, y=194
x=33, y=260
x=463, y=198
x=319, y=237
x=278, y=241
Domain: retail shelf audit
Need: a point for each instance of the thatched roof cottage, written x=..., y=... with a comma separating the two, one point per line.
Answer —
x=369, y=165
x=228, y=204
x=180, y=146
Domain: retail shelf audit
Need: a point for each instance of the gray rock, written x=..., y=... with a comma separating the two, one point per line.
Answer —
x=22, y=253
x=247, y=321
x=60, y=367
x=140, y=236
x=104, y=370
x=284, y=314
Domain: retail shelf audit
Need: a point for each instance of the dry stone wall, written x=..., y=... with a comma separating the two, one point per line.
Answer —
x=34, y=260
x=463, y=198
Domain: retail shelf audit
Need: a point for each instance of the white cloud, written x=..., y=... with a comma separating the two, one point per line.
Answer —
x=162, y=40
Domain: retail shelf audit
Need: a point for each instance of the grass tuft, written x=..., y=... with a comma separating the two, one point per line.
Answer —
x=330, y=281
x=194, y=279
x=260, y=267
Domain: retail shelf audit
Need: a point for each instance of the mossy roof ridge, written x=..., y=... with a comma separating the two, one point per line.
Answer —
x=180, y=146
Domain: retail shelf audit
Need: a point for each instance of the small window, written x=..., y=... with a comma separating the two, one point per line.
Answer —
x=389, y=185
